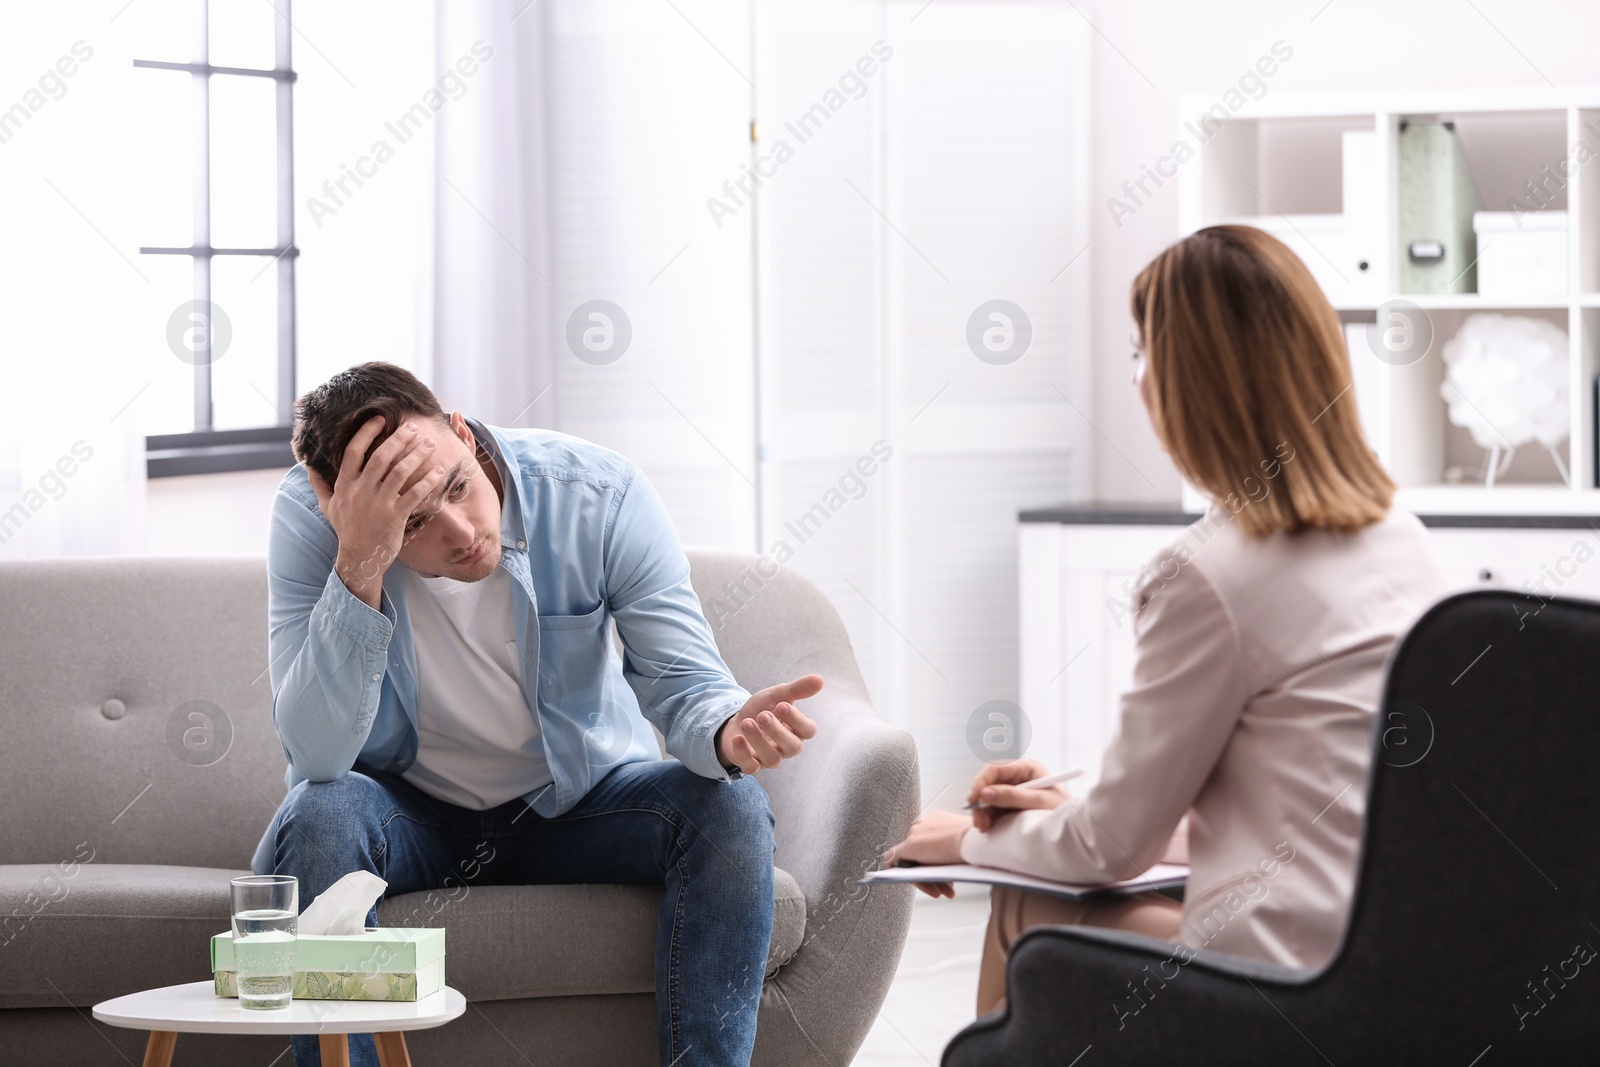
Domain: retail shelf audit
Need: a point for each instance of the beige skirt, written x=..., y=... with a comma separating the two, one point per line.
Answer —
x=1012, y=911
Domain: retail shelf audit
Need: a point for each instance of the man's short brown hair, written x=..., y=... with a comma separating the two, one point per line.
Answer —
x=326, y=418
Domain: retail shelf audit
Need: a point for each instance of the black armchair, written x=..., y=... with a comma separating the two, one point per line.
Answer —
x=1476, y=917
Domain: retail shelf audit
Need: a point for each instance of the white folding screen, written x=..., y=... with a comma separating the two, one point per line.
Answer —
x=649, y=107
x=951, y=175
x=911, y=164
x=822, y=301
x=991, y=172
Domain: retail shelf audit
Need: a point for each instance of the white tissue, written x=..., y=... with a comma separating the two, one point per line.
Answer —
x=342, y=907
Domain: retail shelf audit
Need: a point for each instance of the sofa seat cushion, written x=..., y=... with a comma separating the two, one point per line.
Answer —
x=108, y=929
x=506, y=942
x=105, y=930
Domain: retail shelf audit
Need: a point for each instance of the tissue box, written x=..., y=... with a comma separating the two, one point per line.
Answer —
x=395, y=963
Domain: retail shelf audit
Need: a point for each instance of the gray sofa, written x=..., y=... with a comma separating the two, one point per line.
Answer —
x=139, y=766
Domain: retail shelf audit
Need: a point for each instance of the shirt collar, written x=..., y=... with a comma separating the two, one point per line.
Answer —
x=513, y=508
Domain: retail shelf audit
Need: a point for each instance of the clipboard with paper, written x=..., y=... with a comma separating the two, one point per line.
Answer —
x=1160, y=876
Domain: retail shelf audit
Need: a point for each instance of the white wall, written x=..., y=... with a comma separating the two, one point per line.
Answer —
x=1147, y=53
x=210, y=514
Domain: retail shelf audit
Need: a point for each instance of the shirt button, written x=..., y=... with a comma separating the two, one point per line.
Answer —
x=522, y=544
x=377, y=677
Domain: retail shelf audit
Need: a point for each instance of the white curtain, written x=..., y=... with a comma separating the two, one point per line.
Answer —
x=84, y=313
x=71, y=462
x=649, y=117
x=491, y=295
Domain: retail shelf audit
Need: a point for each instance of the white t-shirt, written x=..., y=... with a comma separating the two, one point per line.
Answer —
x=479, y=744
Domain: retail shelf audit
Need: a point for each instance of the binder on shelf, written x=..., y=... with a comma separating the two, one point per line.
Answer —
x=1438, y=248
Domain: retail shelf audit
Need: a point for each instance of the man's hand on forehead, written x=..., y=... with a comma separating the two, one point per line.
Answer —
x=435, y=500
x=371, y=503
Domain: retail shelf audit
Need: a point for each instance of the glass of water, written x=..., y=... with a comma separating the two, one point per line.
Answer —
x=266, y=908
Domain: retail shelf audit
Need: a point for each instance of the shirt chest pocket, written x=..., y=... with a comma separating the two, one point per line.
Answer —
x=572, y=655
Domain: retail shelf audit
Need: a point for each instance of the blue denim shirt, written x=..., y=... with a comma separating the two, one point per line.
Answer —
x=587, y=541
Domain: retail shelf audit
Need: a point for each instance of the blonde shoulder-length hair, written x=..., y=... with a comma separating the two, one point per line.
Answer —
x=1250, y=384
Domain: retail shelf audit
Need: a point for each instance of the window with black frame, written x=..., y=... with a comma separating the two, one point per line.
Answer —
x=242, y=248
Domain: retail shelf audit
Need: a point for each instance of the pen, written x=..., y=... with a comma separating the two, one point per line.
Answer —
x=1037, y=783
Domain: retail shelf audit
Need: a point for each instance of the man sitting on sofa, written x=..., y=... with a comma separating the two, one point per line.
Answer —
x=445, y=688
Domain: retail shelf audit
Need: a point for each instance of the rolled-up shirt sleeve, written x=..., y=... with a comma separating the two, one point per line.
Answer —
x=1175, y=721
x=670, y=658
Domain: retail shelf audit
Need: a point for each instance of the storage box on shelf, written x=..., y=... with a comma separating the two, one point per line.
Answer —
x=1521, y=254
x=1323, y=173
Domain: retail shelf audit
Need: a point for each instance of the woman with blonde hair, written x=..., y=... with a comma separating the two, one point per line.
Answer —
x=1260, y=636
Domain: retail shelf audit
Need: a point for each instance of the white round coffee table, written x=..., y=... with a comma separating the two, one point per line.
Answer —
x=196, y=1009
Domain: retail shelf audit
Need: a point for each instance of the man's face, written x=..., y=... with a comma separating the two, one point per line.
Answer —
x=456, y=532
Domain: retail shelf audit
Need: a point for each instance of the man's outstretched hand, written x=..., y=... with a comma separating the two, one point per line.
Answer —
x=769, y=728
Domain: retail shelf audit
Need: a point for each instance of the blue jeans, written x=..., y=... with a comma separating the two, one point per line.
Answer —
x=653, y=823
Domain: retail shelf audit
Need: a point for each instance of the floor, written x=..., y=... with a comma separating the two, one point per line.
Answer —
x=934, y=990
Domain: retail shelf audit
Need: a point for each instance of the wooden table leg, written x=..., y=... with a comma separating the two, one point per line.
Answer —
x=158, y=1052
x=392, y=1049
x=335, y=1050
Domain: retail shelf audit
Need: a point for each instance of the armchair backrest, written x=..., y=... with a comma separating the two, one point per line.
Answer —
x=1481, y=855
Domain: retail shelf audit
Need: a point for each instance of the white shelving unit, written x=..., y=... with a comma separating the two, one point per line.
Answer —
x=1283, y=155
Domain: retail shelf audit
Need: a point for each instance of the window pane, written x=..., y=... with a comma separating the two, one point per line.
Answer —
x=244, y=381
x=242, y=34
x=243, y=158
x=163, y=180
x=167, y=405
x=167, y=30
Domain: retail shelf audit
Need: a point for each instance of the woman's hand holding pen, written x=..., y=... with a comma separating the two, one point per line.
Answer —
x=935, y=838
x=996, y=791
